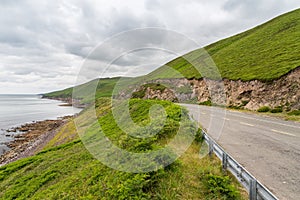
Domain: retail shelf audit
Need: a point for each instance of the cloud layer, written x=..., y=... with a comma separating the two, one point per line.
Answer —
x=44, y=43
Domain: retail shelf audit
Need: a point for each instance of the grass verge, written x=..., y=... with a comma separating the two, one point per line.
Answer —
x=69, y=171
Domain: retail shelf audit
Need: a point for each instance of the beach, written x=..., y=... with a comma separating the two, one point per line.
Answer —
x=31, y=138
x=28, y=122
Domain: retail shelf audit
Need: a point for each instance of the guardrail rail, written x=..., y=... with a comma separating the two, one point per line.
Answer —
x=256, y=190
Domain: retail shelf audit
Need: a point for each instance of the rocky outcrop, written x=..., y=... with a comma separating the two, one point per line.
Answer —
x=283, y=92
x=166, y=94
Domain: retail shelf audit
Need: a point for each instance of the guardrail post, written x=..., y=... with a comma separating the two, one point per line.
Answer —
x=224, y=162
x=210, y=148
x=253, y=189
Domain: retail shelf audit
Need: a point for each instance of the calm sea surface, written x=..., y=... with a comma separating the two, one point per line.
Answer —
x=20, y=109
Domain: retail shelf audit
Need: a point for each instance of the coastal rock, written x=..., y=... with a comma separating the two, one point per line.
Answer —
x=30, y=136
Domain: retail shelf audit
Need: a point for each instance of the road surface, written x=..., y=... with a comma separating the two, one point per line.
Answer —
x=268, y=148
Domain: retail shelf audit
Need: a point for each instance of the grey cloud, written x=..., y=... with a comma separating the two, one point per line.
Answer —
x=258, y=10
x=43, y=41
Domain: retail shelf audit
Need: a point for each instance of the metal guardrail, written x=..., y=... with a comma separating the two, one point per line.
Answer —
x=255, y=189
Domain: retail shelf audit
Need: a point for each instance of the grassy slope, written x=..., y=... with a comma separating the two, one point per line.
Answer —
x=265, y=53
x=104, y=89
x=68, y=171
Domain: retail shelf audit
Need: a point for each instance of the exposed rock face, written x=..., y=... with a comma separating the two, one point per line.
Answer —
x=282, y=92
x=251, y=95
x=167, y=94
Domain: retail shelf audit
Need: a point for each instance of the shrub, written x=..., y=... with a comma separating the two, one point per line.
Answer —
x=154, y=86
x=199, y=136
x=244, y=103
x=264, y=109
x=276, y=110
x=294, y=112
x=206, y=103
x=220, y=187
x=139, y=94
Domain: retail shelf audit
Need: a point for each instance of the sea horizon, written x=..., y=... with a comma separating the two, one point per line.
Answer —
x=19, y=109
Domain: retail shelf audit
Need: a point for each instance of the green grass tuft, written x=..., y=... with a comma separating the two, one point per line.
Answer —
x=264, y=109
x=294, y=112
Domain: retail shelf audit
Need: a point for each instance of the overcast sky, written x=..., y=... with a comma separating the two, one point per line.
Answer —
x=43, y=44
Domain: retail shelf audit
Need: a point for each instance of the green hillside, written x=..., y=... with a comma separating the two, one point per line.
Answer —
x=66, y=170
x=104, y=89
x=266, y=52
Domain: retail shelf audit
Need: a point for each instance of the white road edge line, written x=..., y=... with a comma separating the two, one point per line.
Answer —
x=239, y=114
x=246, y=124
x=284, y=133
x=262, y=120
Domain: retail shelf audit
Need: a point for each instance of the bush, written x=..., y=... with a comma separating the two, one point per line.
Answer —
x=206, y=103
x=199, y=136
x=220, y=187
x=155, y=86
x=294, y=112
x=244, y=103
x=139, y=94
x=276, y=110
x=264, y=109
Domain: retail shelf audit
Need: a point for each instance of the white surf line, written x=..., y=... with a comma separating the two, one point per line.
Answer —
x=284, y=133
x=246, y=124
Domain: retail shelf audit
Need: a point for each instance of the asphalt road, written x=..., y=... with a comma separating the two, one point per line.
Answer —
x=268, y=148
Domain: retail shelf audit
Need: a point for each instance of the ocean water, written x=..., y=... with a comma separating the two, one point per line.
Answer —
x=16, y=110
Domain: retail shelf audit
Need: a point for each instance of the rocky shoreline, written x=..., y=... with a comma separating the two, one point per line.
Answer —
x=30, y=138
